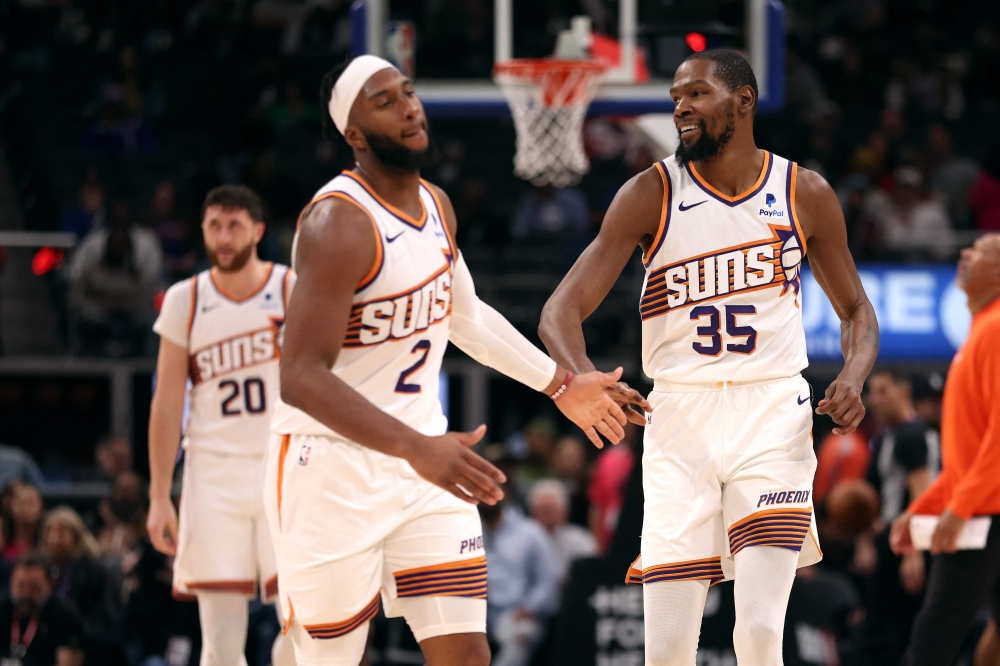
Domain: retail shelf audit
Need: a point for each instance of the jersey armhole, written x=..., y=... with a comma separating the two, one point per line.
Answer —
x=194, y=306
x=444, y=221
x=661, y=230
x=379, y=250
x=793, y=172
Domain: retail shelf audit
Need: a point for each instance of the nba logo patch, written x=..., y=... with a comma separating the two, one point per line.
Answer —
x=304, y=454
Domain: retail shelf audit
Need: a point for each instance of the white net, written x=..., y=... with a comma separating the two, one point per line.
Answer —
x=548, y=100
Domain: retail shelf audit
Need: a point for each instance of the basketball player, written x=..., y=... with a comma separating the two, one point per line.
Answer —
x=368, y=497
x=728, y=462
x=219, y=330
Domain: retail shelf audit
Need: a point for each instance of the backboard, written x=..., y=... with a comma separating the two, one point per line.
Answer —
x=620, y=94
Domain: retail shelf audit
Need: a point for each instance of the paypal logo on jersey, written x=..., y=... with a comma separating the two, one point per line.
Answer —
x=770, y=200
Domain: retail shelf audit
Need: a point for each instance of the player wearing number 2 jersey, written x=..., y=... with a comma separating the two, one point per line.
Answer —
x=370, y=500
x=728, y=462
x=219, y=332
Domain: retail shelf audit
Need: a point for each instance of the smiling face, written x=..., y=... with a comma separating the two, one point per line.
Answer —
x=706, y=111
x=388, y=119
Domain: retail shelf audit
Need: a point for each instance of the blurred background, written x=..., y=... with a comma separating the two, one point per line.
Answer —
x=117, y=116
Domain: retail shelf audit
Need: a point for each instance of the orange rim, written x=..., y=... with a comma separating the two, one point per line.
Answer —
x=563, y=82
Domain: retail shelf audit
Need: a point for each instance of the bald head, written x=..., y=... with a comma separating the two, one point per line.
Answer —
x=979, y=271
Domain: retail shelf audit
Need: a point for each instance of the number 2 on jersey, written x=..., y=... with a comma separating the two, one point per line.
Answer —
x=712, y=330
x=423, y=348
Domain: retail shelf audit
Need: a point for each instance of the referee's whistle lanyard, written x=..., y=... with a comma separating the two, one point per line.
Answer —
x=19, y=644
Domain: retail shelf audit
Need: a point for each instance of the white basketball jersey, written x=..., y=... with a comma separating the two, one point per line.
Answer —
x=721, y=297
x=400, y=317
x=233, y=362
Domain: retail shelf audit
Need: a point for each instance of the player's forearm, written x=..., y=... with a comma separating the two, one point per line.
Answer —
x=164, y=441
x=311, y=387
x=859, y=340
x=561, y=331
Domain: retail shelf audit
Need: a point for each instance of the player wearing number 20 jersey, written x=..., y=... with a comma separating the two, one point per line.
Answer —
x=233, y=357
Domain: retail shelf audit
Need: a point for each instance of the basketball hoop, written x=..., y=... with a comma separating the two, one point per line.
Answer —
x=548, y=99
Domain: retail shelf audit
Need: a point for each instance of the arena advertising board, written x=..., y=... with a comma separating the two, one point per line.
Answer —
x=922, y=313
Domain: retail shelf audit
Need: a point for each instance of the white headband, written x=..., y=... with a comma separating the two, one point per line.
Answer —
x=350, y=84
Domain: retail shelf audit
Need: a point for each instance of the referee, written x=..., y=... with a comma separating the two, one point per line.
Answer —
x=969, y=484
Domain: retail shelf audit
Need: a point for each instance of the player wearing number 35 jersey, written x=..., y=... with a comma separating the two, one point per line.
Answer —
x=728, y=461
x=219, y=333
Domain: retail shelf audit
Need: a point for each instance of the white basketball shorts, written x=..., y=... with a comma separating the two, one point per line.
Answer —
x=725, y=467
x=223, y=544
x=352, y=526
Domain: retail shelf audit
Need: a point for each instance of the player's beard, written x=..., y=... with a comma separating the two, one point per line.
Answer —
x=707, y=145
x=398, y=157
x=239, y=260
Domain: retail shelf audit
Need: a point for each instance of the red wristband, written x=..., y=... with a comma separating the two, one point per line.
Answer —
x=565, y=385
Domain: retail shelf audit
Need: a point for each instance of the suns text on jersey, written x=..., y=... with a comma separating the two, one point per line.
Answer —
x=732, y=270
x=236, y=353
x=401, y=315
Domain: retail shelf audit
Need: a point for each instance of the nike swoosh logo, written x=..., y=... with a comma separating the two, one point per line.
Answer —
x=209, y=308
x=802, y=401
x=683, y=208
x=389, y=240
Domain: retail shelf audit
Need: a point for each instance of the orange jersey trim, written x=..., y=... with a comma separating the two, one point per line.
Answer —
x=237, y=586
x=661, y=230
x=444, y=221
x=708, y=568
x=792, y=180
x=764, y=171
x=271, y=587
x=419, y=224
x=224, y=294
x=337, y=629
x=379, y=247
x=464, y=578
x=194, y=306
x=285, y=441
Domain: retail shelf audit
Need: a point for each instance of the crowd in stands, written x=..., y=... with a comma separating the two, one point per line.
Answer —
x=110, y=593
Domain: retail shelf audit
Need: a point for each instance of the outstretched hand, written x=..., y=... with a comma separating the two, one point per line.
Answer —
x=448, y=462
x=588, y=404
x=843, y=403
x=625, y=397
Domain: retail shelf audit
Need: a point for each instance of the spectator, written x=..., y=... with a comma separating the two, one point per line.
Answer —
x=16, y=464
x=113, y=455
x=124, y=522
x=523, y=582
x=25, y=521
x=569, y=465
x=41, y=629
x=839, y=458
x=984, y=198
x=114, y=276
x=910, y=226
x=536, y=451
x=904, y=461
x=548, y=503
x=553, y=214
x=89, y=213
x=969, y=484
x=155, y=624
x=951, y=175
x=173, y=231
x=607, y=488
x=79, y=580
